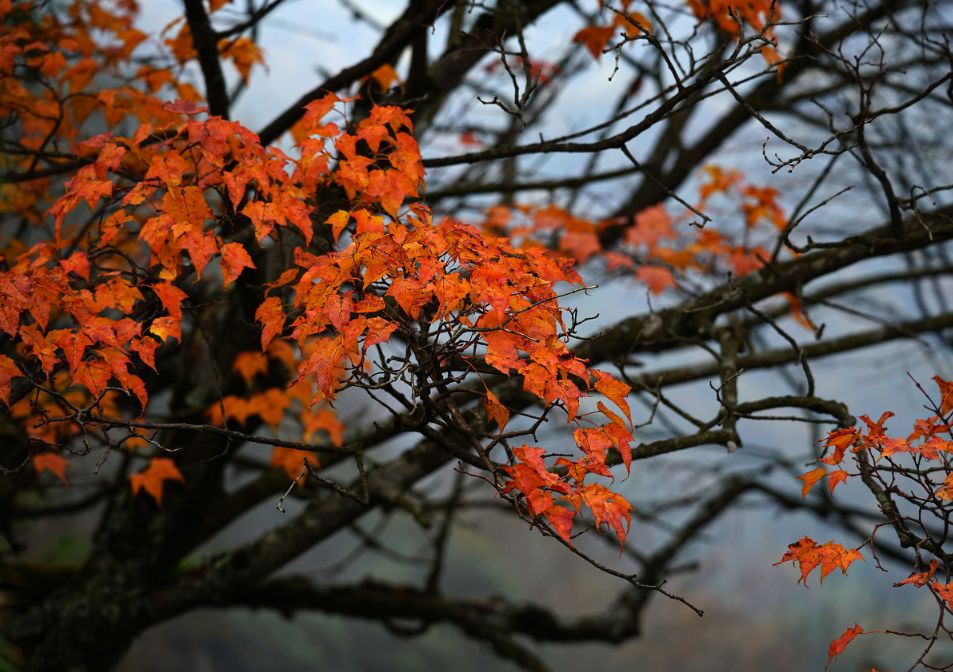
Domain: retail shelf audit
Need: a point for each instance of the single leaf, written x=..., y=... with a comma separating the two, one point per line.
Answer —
x=810, y=478
x=839, y=644
x=53, y=463
x=594, y=39
x=495, y=410
x=271, y=316
x=291, y=460
x=835, y=478
x=234, y=260
x=152, y=479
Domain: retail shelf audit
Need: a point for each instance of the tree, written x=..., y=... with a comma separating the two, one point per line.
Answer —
x=208, y=317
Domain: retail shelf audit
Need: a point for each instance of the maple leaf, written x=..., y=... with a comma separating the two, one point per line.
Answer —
x=249, y=364
x=243, y=53
x=607, y=507
x=385, y=76
x=152, y=479
x=946, y=394
x=234, y=260
x=656, y=278
x=614, y=390
x=53, y=463
x=944, y=591
x=594, y=39
x=271, y=316
x=840, y=440
x=920, y=579
x=8, y=371
x=171, y=298
x=808, y=555
x=291, y=460
x=835, y=478
x=810, y=478
x=495, y=410
x=945, y=491
x=839, y=644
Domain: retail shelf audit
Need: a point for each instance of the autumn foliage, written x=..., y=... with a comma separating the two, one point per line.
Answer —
x=191, y=310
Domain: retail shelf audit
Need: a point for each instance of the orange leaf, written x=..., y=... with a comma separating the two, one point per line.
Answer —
x=291, y=460
x=808, y=555
x=946, y=490
x=921, y=579
x=53, y=463
x=271, y=316
x=385, y=76
x=171, y=298
x=656, y=278
x=614, y=390
x=495, y=410
x=153, y=478
x=839, y=644
x=835, y=478
x=594, y=38
x=946, y=394
x=810, y=478
x=234, y=260
x=249, y=364
x=8, y=371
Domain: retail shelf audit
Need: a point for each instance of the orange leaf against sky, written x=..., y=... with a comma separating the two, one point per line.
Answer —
x=808, y=555
x=656, y=278
x=946, y=394
x=944, y=591
x=152, y=479
x=810, y=478
x=920, y=579
x=839, y=644
x=835, y=478
x=614, y=390
x=945, y=491
x=594, y=38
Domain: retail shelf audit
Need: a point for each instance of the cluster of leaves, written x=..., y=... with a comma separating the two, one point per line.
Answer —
x=657, y=249
x=87, y=311
x=917, y=470
x=730, y=16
